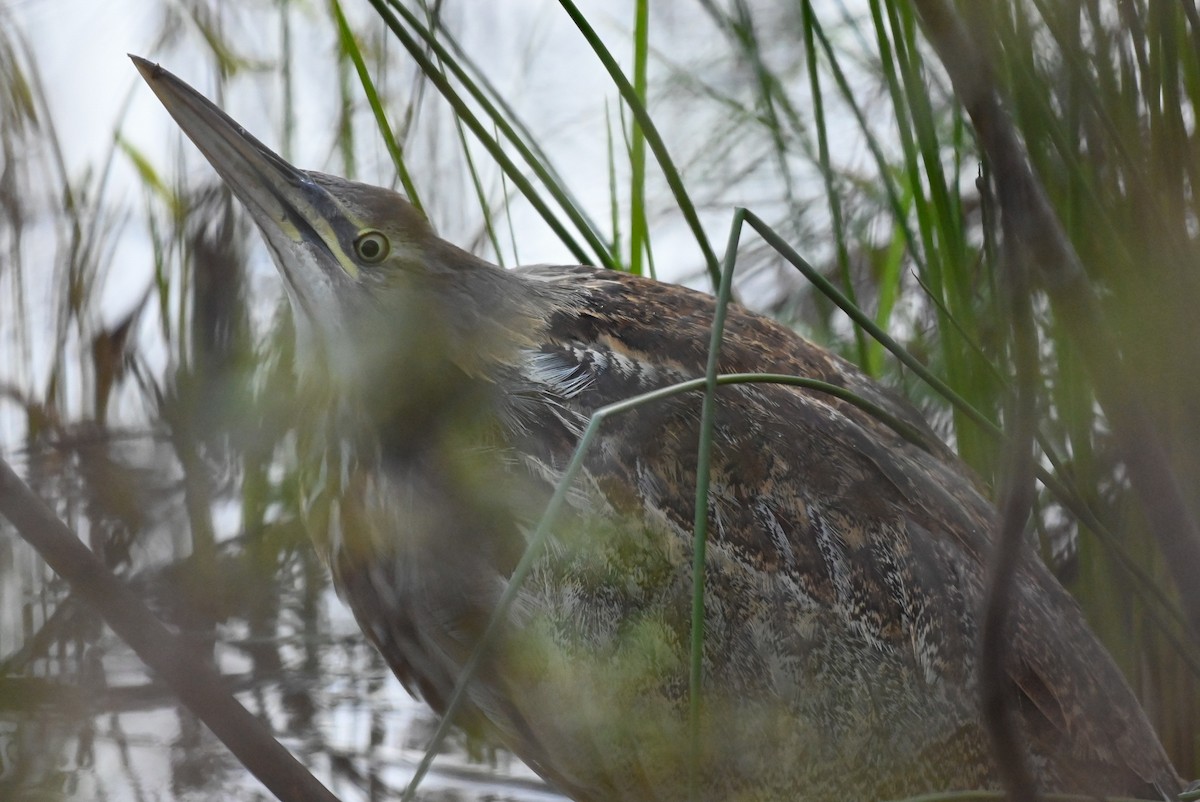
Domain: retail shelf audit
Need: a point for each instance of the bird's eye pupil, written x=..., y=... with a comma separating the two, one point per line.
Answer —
x=371, y=246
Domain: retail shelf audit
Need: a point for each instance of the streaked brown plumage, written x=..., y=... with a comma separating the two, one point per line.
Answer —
x=845, y=564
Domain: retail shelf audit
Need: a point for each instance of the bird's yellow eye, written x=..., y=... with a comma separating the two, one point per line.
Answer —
x=371, y=247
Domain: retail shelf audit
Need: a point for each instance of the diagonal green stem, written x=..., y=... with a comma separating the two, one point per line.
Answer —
x=708, y=413
x=350, y=45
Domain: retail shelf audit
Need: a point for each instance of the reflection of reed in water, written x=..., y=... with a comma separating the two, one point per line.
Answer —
x=88, y=721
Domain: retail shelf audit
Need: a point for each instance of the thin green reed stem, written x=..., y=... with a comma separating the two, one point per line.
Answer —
x=614, y=205
x=862, y=319
x=831, y=191
x=475, y=80
x=289, y=94
x=708, y=413
x=893, y=55
x=345, y=122
x=898, y=205
x=653, y=138
x=493, y=107
x=637, y=145
x=485, y=208
x=351, y=48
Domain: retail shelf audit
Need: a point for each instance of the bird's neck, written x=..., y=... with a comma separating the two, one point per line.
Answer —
x=435, y=357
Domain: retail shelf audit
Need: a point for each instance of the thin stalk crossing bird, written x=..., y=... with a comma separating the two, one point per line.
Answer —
x=845, y=565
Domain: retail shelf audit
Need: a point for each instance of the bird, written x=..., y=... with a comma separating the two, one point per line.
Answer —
x=845, y=566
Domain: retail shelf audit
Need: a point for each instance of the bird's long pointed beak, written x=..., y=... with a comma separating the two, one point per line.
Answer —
x=304, y=226
x=256, y=174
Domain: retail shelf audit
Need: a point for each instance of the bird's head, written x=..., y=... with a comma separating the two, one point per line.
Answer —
x=379, y=299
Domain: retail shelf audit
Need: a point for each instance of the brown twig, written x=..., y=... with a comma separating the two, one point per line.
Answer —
x=1016, y=501
x=197, y=684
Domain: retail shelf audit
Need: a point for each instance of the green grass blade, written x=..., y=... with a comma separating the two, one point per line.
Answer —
x=637, y=144
x=708, y=412
x=349, y=45
x=831, y=190
x=653, y=138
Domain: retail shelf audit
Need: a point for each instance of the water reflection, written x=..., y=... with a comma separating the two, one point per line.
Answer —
x=80, y=718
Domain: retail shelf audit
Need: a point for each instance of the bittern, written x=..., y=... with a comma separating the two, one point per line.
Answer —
x=845, y=565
